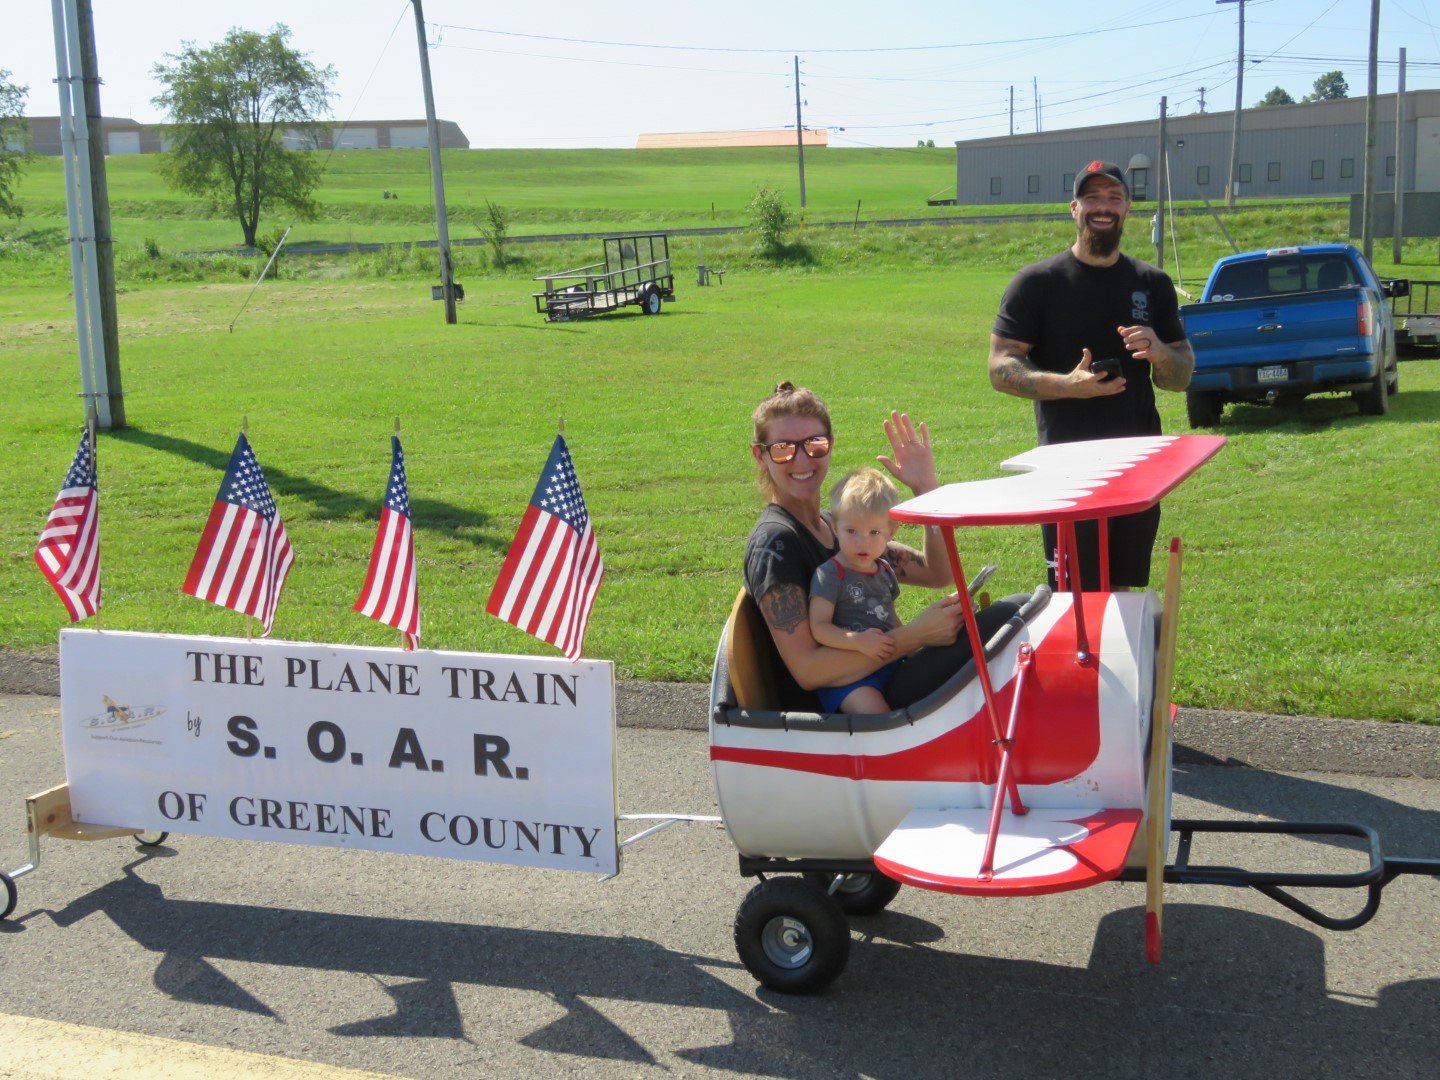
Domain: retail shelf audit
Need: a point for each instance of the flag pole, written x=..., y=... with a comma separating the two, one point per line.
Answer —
x=94, y=471
x=562, y=427
x=245, y=430
x=404, y=637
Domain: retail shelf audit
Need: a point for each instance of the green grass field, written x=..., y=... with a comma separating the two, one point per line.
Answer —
x=1309, y=570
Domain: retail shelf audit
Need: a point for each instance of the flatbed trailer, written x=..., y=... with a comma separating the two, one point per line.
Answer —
x=636, y=271
x=1416, y=321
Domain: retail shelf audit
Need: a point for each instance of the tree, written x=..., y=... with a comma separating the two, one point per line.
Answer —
x=1277, y=96
x=232, y=106
x=14, y=142
x=1329, y=87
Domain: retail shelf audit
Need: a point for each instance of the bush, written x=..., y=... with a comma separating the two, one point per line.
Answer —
x=769, y=217
x=494, y=227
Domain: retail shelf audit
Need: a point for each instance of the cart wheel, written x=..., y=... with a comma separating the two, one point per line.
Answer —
x=151, y=839
x=650, y=304
x=792, y=936
x=11, y=896
x=857, y=894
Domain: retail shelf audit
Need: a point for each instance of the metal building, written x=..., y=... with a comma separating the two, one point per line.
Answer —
x=125, y=136
x=1311, y=149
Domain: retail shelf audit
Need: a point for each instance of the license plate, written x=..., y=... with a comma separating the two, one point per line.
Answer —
x=1273, y=373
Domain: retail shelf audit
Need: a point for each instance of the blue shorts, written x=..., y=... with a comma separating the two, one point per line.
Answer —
x=832, y=696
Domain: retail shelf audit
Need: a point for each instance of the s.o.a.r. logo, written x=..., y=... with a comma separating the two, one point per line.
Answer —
x=121, y=717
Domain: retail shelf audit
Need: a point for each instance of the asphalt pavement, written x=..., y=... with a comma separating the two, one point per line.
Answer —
x=280, y=960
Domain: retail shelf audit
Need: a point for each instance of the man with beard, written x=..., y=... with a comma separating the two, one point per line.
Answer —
x=1061, y=321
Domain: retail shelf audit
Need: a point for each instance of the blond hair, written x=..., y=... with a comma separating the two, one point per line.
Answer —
x=787, y=400
x=864, y=491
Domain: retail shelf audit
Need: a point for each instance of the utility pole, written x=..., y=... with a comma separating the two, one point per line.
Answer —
x=799, y=133
x=437, y=179
x=1012, y=110
x=1162, y=178
x=1035, y=93
x=1202, y=100
x=1239, y=96
x=100, y=200
x=1398, y=239
x=75, y=153
x=1367, y=214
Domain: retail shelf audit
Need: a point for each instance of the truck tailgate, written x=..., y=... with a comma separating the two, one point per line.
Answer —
x=1277, y=329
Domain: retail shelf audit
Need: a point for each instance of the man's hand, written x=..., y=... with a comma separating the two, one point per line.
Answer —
x=1174, y=362
x=1085, y=383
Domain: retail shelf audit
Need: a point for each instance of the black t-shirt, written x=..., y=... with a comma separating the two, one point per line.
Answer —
x=1061, y=306
x=783, y=552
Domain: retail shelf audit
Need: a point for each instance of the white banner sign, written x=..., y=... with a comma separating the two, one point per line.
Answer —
x=507, y=759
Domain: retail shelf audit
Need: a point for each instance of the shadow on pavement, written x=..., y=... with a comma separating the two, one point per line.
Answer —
x=1240, y=994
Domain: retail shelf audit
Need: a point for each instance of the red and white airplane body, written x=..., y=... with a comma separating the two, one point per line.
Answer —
x=916, y=790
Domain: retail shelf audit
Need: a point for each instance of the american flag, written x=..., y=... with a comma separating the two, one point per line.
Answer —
x=548, y=583
x=390, y=593
x=69, y=550
x=244, y=553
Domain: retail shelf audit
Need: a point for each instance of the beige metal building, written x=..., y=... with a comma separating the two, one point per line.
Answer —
x=1311, y=149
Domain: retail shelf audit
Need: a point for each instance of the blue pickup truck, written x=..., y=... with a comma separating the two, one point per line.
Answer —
x=1291, y=322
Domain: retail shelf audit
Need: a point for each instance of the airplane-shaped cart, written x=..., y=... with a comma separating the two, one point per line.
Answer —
x=1044, y=769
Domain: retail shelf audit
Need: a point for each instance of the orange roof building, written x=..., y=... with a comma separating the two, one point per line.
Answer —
x=702, y=139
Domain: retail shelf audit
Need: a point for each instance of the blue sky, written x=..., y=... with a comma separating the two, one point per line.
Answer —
x=574, y=73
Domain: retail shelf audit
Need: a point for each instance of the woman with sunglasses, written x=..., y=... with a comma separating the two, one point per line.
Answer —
x=792, y=445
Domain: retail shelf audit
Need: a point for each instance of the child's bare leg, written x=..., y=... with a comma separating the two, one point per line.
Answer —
x=865, y=699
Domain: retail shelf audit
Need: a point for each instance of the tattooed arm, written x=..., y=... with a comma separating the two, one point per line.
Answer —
x=1012, y=372
x=930, y=568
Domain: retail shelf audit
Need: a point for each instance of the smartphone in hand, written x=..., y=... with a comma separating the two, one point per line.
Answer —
x=1106, y=368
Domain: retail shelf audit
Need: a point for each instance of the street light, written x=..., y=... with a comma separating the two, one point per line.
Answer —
x=1239, y=90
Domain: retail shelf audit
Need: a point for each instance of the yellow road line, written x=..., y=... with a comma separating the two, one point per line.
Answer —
x=33, y=1049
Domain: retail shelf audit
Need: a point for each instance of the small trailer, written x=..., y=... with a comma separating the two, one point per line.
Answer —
x=1416, y=324
x=636, y=271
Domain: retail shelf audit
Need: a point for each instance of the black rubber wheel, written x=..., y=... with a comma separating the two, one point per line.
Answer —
x=151, y=839
x=1375, y=399
x=857, y=894
x=1203, y=407
x=11, y=896
x=792, y=936
x=650, y=302
x=1394, y=387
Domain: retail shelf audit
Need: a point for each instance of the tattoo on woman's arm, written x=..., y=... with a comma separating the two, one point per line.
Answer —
x=904, y=560
x=788, y=606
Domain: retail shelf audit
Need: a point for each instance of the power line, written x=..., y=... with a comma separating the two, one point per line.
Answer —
x=817, y=52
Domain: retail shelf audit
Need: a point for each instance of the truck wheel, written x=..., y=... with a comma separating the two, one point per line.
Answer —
x=650, y=302
x=1203, y=407
x=1394, y=387
x=1375, y=399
